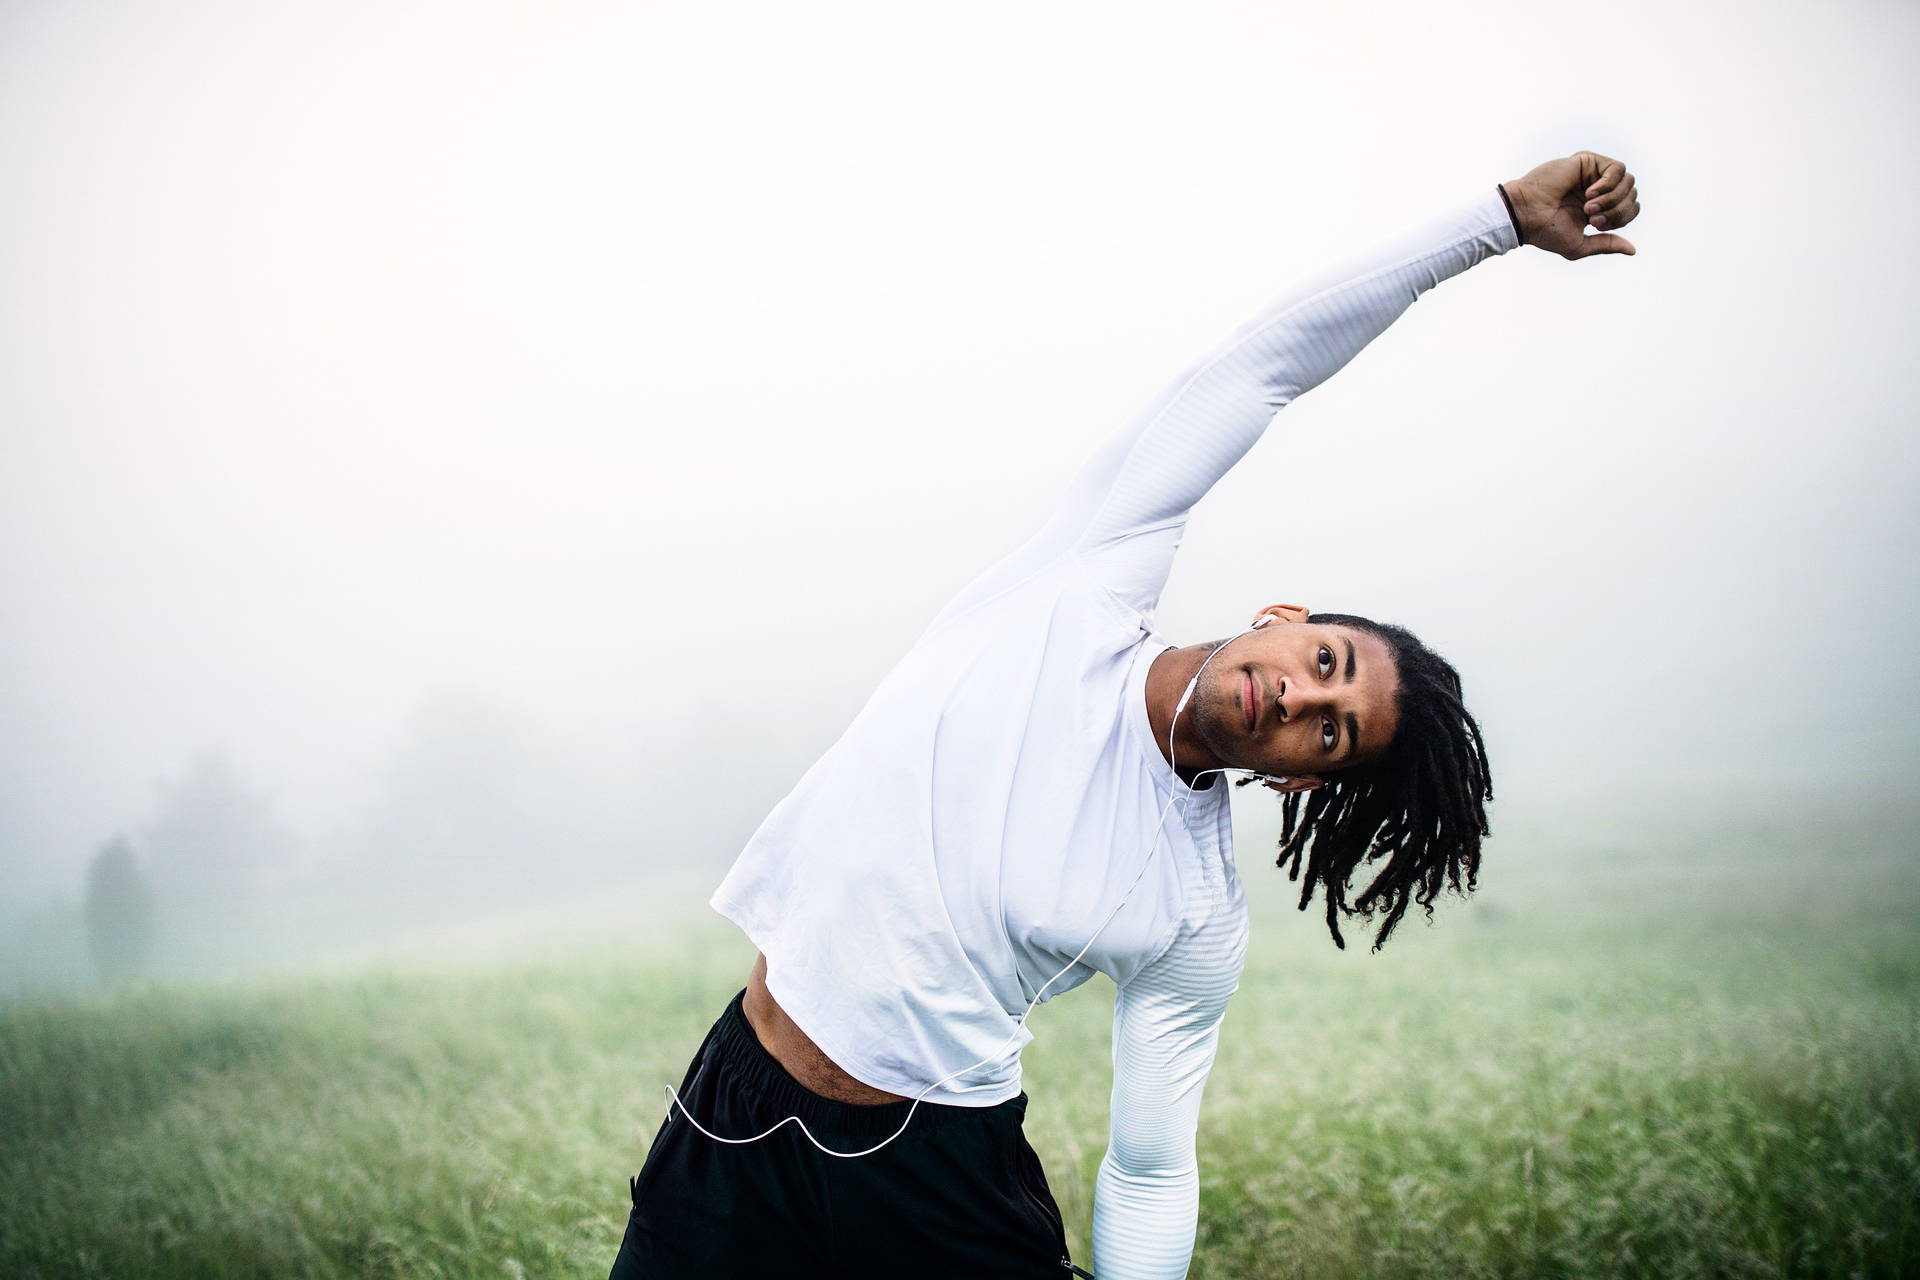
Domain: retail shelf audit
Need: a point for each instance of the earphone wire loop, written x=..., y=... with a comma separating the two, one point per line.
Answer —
x=1181, y=790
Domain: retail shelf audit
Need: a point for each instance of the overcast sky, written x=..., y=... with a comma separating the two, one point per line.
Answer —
x=649, y=375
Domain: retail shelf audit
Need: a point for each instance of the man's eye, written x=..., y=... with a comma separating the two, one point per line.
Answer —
x=1327, y=734
x=1326, y=662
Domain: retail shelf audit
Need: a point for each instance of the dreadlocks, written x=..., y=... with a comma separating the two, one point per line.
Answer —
x=1420, y=805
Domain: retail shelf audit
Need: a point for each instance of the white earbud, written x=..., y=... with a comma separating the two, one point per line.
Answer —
x=1262, y=620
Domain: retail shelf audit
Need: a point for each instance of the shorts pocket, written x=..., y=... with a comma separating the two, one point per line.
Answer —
x=1031, y=1178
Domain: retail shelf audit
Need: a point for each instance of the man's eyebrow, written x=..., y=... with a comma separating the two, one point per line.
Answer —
x=1353, y=737
x=1349, y=640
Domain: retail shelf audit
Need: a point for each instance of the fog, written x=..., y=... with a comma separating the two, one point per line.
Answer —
x=469, y=456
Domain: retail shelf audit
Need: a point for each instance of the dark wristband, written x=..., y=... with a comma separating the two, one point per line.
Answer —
x=1511, y=215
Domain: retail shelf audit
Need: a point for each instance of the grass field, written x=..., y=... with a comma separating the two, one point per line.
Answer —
x=1678, y=1056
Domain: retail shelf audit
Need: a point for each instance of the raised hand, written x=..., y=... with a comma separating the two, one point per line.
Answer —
x=1555, y=201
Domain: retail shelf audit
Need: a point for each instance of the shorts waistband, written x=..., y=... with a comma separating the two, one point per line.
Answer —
x=745, y=1057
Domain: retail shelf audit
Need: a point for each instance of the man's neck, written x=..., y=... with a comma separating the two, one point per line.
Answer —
x=1166, y=680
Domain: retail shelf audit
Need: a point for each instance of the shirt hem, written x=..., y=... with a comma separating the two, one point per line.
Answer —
x=795, y=1006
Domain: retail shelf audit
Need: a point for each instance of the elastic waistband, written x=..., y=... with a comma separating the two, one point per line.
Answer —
x=743, y=1056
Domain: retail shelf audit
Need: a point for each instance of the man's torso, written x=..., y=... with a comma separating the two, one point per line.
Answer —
x=790, y=1047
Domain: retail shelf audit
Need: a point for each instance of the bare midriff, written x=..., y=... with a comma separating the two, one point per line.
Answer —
x=790, y=1047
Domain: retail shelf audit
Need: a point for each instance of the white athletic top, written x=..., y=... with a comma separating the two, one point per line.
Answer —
x=993, y=801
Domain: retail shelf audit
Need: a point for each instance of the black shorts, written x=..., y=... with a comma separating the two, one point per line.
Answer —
x=959, y=1194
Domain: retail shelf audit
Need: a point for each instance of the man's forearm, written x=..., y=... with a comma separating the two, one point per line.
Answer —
x=1196, y=430
x=1144, y=1224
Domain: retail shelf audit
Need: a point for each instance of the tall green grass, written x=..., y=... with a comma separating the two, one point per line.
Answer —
x=1623, y=1058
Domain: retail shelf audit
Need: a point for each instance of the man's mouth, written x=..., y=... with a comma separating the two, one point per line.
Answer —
x=1250, y=701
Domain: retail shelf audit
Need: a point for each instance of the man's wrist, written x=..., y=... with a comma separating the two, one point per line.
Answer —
x=1512, y=216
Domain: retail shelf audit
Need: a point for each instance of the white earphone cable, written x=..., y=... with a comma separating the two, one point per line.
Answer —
x=1182, y=791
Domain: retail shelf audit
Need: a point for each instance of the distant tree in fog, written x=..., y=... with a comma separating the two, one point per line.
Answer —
x=459, y=811
x=119, y=912
x=215, y=843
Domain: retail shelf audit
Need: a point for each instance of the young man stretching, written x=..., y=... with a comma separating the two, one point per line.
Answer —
x=1034, y=795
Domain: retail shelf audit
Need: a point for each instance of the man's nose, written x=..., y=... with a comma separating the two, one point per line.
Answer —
x=1296, y=699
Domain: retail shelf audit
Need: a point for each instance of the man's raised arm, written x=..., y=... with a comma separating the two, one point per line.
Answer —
x=1122, y=513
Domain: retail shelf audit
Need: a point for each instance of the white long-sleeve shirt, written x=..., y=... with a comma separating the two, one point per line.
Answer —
x=998, y=794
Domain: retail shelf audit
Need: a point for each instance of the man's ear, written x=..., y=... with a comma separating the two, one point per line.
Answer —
x=1294, y=783
x=1281, y=613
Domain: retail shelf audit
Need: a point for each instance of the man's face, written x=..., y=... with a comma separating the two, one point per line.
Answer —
x=1298, y=699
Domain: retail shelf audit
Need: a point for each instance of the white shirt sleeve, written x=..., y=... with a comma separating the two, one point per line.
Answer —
x=1124, y=511
x=1166, y=1026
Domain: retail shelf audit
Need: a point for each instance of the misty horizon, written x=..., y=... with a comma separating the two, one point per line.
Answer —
x=528, y=442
